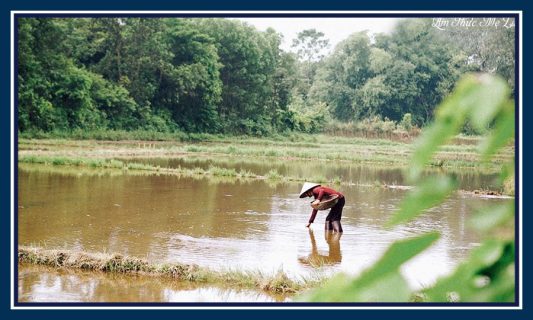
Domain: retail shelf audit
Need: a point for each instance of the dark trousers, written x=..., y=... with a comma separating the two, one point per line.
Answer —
x=333, y=220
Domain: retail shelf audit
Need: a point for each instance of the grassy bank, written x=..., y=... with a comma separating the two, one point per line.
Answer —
x=118, y=135
x=116, y=263
x=374, y=152
x=121, y=135
x=144, y=135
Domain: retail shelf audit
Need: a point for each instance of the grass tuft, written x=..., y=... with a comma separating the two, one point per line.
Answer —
x=274, y=175
x=222, y=172
x=280, y=283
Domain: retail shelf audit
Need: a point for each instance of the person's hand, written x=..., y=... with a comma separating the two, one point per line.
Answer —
x=316, y=202
x=308, y=225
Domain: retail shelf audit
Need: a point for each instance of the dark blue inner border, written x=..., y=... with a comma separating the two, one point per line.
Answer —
x=270, y=15
x=279, y=15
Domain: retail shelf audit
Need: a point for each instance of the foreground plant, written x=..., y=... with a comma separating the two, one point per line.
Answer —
x=488, y=275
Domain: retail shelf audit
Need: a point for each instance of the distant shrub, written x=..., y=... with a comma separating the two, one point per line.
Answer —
x=374, y=128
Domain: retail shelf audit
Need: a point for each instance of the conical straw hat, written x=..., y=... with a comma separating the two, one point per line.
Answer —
x=306, y=187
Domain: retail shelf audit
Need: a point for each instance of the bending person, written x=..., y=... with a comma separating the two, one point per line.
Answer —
x=333, y=220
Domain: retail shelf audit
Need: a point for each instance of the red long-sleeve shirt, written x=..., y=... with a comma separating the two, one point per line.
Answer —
x=319, y=193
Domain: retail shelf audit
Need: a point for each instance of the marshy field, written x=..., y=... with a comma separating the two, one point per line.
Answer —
x=219, y=219
x=160, y=158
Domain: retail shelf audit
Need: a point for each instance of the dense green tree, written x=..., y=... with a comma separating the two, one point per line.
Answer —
x=55, y=93
x=310, y=46
x=108, y=38
x=190, y=86
x=35, y=83
x=408, y=71
x=250, y=59
x=343, y=74
x=143, y=55
x=223, y=75
x=146, y=56
x=430, y=68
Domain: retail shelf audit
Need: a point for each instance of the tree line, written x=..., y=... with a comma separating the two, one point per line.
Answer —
x=225, y=76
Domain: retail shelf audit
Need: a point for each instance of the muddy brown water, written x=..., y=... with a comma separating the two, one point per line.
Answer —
x=225, y=225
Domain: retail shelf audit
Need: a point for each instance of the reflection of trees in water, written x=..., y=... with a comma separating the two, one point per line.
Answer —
x=315, y=259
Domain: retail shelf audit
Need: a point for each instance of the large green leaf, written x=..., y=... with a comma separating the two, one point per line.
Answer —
x=381, y=282
x=507, y=171
x=337, y=289
x=427, y=194
x=390, y=287
x=502, y=133
x=477, y=98
x=427, y=144
x=489, y=96
x=488, y=275
x=490, y=218
x=397, y=254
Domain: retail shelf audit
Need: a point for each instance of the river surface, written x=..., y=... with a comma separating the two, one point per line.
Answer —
x=244, y=225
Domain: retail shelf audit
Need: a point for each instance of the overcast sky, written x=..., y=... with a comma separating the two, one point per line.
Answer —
x=335, y=29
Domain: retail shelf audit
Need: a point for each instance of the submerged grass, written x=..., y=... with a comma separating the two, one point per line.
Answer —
x=326, y=149
x=117, y=263
x=222, y=172
x=214, y=173
x=273, y=174
x=65, y=161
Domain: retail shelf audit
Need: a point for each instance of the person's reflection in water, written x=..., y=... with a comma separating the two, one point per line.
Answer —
x=334, y=256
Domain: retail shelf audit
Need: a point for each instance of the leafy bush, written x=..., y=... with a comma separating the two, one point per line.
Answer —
x=407, y=122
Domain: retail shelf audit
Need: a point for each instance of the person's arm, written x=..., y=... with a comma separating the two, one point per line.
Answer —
x=312, y=218
x=315, y=211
